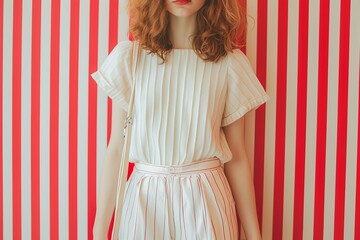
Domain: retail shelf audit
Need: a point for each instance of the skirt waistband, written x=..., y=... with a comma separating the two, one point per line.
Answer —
x=200, y=165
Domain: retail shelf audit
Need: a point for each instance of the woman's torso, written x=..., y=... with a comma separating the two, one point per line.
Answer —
x=178, y=109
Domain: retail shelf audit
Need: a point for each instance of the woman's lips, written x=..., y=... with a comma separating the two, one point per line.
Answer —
x=181, y=2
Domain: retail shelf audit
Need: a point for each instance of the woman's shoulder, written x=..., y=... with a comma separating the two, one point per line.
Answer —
x=124, y=47
x=236, y=54
x=120, y=55
x=237, y=58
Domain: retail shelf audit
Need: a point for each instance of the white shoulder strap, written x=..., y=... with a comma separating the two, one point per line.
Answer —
x=134, y=66
x=123, y=169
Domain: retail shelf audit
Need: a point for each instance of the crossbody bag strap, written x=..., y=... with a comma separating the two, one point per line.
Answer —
x=123, y=168
x=134, y=66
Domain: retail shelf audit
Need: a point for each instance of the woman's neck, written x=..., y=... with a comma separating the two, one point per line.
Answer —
x=181, y=30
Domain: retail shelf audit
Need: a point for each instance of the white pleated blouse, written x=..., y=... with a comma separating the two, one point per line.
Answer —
x=180, y=106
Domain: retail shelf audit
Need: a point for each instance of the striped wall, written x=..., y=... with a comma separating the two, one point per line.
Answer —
x=304, y=145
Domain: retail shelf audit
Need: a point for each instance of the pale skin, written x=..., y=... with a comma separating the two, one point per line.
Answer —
x=239, y=176
x=106, y=196
x=237, y=170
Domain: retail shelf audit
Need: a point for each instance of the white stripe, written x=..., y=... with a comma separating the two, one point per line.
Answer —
x=251, y=54
x=351, y=158
x=331, y=136
x=64, y=120
x=123, y=21
x=311, y=120
x=25, y=121
x=291, y=107
x=82, y=204
x=251, y=36
x=102, y=97
x=45, y=121
x=7, y=120
x=270, y=125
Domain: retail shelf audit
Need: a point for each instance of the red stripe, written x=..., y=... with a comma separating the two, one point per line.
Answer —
x=321, y=120
x=280, y=119
x=301, y=119
x=357, y=203
x=73, y=117
x=342, y=119
x=54, y=119
x=16, y=118
x=93, y=60
x=113, y=40
x=1, y=116
x=260, y=113
x=35, y=119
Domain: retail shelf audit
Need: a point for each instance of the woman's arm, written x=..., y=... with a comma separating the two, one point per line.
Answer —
x=239, y=175
x=106, y=197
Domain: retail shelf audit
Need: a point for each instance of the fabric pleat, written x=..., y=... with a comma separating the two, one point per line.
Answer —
x=184, y=205
x=180, y=109
x=180, y=106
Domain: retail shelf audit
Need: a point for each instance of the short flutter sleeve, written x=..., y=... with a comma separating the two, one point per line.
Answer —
x=114, y=76
x=244, y=91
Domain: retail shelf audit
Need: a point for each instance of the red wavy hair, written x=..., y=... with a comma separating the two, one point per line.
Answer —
x=221, y=27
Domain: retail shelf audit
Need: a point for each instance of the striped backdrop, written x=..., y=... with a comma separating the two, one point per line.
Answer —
x=304, y=145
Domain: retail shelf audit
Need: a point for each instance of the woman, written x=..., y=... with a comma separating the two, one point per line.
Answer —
x=191, y=173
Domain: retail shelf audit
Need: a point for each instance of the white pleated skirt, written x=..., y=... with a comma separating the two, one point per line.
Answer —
x=192, y=201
